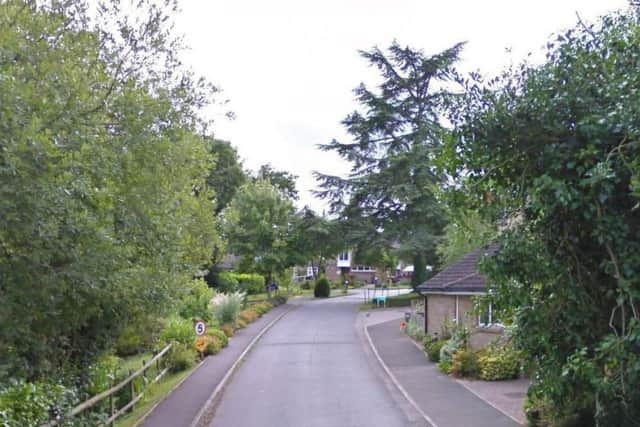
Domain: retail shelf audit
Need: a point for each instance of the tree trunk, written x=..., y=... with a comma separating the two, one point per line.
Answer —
x=419, y=271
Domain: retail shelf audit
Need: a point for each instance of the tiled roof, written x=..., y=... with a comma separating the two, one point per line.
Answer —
x=463, y=276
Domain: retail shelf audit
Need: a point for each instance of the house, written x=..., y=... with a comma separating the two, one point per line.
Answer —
x=336, y=267
x=450, y=295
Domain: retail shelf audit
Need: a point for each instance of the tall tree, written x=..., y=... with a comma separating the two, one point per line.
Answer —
x=99, y=161
x=390, y=193
x=314, y=239
x=227, y=175
x=258, y=226
x=284, y=181
x=557, y=146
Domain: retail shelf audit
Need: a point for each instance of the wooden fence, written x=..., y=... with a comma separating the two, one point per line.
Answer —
x=115, y=412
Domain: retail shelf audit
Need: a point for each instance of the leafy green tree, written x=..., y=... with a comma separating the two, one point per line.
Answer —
x=390, y=193
x=284, y=181
x=227, y=174
x=100, y=160
x=556, y=146
x=466, y=231
x=258, y=226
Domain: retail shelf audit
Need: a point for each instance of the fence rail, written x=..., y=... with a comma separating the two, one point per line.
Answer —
x=115, y=413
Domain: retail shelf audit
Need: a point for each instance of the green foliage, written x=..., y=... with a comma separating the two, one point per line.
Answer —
x=499, y=363
x=465, y=363
x=195, y=301
x=415, y=329
x=432, y=348
x=250, y=283
x=181, y=357
x=226, y=307
x=322, y=288
x=31, y=404
x=389, y=195
x=458, y=341
x=554, y=148
x=226, y=282
x=283, y=181
x=465, y=232
x=224, y=339
x=139, y=336
x=444, y=366
x=104, y=211
x=178, y=330
x=227, y=175
x=403, y=300
x=103, y=373
x=257, y=226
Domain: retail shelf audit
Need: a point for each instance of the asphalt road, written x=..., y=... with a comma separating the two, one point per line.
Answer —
x=311, y=370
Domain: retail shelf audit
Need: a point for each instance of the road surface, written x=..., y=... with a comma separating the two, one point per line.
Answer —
x=311, y=370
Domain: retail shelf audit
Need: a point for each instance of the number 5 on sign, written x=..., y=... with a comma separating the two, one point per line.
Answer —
x=201, y=328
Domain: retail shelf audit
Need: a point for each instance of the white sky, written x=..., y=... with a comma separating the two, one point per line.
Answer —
x=289, y=66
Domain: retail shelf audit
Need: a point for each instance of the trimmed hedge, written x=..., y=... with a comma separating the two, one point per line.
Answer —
x=322, y=288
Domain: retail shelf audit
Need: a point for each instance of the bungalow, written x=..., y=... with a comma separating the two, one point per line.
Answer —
x=450, y=295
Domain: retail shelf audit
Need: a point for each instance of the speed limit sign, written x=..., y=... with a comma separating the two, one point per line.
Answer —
x=201, y=328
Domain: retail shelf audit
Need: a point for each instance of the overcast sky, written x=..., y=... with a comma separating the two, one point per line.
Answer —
x=289, y=66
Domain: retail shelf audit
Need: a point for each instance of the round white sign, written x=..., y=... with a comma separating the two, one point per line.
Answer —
x=201, y=328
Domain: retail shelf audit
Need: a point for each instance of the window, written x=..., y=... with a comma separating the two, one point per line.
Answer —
x=363, y=268
x=487, y=317
x=312, y=271
x=344, y=256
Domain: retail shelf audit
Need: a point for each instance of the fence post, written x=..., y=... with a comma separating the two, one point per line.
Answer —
x=112, y=405
x=133, y=390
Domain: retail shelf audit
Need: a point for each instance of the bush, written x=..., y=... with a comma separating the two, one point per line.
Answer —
x=178, y=330
x=278, y=300
x=250, y=283
x=209, y=344
x=103, y=373
x=499, y=363
x=306, y=285
x=181, y=357
x=241, y=324
x=31, y=404
x=249, y=315
x=224, y=339
x=228, y=329
x=415, y=330
x=322, y=289
x=465, y=363
x=195, y=302
x=458, y=341
x=262, y=307
x=226, y=282
x=226, y=307
x=432, y=348
x=444, y=367
x=403, y=300
x=139, y=336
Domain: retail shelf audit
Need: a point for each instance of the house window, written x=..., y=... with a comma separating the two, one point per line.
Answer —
x=312, y=271
x=344, y=256
x=363, y=268
x=487, y=317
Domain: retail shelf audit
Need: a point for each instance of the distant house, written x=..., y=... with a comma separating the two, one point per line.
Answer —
x=450, y=293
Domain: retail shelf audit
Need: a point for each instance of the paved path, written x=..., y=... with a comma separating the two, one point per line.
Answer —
x=311, y=370
x=181, y=407
x=440, y=397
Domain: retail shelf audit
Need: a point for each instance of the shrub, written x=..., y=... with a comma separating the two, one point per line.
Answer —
x=241, y=324
x=226, y=307
x=465, y=363
x=224, y=339
x=209, y=344
x=195, y=302
x=444, y=366
x=226, y=282
x=181, y=357
x=459, y=340
x=178, y=330
x=278, y=299
x=414, y=329
x=228, y=330
x=249, y=282
x=499, y=363
x=103, y=373
x=138, y=336
x=322, y=289
x=31, y=404
x=306, y=285
x=249, y=315
x=403, y=300
x=433, y=349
